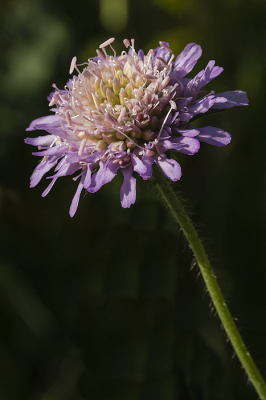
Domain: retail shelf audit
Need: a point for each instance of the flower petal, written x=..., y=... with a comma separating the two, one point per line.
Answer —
x=66, y=169
x=46, y=140
x=138, y=165
x=215, y=136
x=182, y=144
x=53, y=151
x=170, y=168
x=106, y=174
x=186, y=60
x=162, y=52
x=199, y=107
x=189, y=131
x=41, y=170
x=87, y=179
x=230, y=99
x=128, y=188
x=205, y=76
x=75, y=201
x=147, y=161
x=49, y=121
x=49, y=187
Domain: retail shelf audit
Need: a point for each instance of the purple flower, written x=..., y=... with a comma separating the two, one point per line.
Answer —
x=125, y=112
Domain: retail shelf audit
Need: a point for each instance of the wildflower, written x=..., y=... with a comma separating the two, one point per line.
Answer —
x=124, y=112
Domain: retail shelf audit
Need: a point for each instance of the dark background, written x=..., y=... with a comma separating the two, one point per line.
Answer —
x=106, y=305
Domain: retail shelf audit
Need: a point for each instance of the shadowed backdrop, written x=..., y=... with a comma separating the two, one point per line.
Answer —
x=109, y=305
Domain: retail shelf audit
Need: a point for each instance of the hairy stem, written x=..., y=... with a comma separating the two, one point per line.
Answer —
x=195, y=244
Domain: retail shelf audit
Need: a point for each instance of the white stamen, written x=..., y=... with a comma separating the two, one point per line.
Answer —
x=73, y=64
x=68, y=118
x=165, y=45
x=55, y=139
x=167, y=115
x=113, y=50
x=82, y=146
x=171, y=59
x=76, y=177
x=106, y=43
x=165, y=82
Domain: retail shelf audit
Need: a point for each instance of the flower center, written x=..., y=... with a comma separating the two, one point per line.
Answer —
x=116, y=102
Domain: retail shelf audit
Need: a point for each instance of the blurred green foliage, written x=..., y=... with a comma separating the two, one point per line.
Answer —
x=106, y=306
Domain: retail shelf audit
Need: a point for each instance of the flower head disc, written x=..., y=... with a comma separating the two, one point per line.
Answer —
x=124, y=113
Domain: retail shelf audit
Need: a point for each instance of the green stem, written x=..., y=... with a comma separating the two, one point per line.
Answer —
x=183, y=220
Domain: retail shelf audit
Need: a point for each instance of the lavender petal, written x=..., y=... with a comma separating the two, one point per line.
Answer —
x=186, y=60
x=147, y=161
x=106, y=174
x=41, y=170
x=170, y=168
x=230, y=99
x=46, y=140
x=75, y=201
x=138, y=165
x=182, y=144
x=49, y=187
x=215, y=136
x=49, y=121
x=128, y=188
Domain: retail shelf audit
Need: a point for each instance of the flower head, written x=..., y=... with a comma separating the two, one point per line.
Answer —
x=124, y=112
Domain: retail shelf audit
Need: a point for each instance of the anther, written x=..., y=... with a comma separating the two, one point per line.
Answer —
x=100, y=54
x=55, y=99
x=82, y=147
x=146, y=76
x=55, y=87
x=44, y=159
x=76, y=177
x=73, y=64
x=126, y=43
x=172, y=104
x=150, y=153
x=163, y=62
x=106, y=43
x=158, y=148
x=165, y=45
